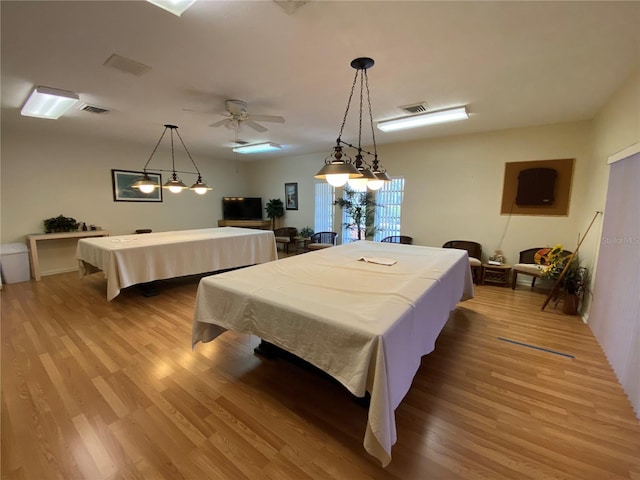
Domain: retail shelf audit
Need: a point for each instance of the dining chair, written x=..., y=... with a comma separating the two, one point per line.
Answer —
x=321, y=240
x=286, y=237
x=474, y=250
x=398, y=239
x=530, y=263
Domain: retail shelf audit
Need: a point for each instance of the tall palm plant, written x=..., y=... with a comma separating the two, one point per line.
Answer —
x=360, y=208
x=274, y=209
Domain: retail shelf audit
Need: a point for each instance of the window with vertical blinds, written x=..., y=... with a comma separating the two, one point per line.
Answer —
x=389, y=201
x=387, y=213
x=615, y=313
x=323, y=212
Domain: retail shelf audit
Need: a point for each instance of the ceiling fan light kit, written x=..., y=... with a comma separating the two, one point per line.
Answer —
x=429, y=118
x=174, y=184
x=237, y=115
x=338, y=167
x=46, y=102
x=258, y=148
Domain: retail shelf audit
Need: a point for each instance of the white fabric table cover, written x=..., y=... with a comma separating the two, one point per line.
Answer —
x=365, y=324
x=132, y=259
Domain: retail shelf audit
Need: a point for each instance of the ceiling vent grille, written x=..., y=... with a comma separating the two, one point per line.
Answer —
x=93, y=109
x=415, y=108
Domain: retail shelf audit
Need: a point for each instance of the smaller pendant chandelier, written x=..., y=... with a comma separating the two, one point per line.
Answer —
x=174, y=184
x=338, y=167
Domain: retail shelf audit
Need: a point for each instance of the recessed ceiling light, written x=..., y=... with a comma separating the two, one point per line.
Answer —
x=258, y=148
x=51, y=103
x=429, y=118
x=177, y=7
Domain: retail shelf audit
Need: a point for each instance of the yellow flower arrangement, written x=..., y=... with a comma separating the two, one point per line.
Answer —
x=554, y=262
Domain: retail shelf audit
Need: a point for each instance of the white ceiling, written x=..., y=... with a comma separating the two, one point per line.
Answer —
x=513, y=64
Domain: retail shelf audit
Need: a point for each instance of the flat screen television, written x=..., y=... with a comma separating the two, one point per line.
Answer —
x=242, y=208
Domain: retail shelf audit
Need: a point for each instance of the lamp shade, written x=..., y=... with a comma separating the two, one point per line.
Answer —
x=382, y=176
x=337, y=171
x=338, y=168
x=364, y=179
x=200, y=187
x=174, y=184
x=145, y=184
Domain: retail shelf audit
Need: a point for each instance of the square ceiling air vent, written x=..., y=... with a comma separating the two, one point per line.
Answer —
x=126, y=65
x=415, y=108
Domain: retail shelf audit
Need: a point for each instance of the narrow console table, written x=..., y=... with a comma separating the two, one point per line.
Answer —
x=261, y=224
x=34, y=238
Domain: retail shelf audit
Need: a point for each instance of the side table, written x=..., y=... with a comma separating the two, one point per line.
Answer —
x=496, y=274
x=34, y=238
x=302, y=243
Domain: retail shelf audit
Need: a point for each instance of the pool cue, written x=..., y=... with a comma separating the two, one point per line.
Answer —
x=568, y=263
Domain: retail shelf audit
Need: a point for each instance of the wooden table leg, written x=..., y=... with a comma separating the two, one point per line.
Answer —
x=33, y=256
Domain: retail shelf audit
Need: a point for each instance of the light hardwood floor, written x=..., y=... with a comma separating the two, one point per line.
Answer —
x=107, y=390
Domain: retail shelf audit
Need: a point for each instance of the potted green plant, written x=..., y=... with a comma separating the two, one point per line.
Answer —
x=60, y=224
x=306, y=232
x=360, y=207
x=575, y=283
x=274, y=209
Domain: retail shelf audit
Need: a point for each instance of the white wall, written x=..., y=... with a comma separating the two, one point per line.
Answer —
x=454, y=186
x=266, y=179
x=616, y=127
x=46, y=175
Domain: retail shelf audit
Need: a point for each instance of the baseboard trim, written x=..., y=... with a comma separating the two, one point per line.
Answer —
x=59, y=270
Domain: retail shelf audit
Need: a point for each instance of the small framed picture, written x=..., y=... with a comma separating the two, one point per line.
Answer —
x=291, y=196
x=123, y=190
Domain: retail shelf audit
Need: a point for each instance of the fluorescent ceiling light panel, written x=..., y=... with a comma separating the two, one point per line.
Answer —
x=177, y=7
x=258, y=148
x=45, y=102
x=429, y=118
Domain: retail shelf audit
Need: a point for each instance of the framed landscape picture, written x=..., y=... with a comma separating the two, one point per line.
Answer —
x=291, y=196
x=123, y=190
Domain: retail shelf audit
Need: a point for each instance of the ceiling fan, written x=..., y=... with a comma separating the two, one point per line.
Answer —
x=236, y=115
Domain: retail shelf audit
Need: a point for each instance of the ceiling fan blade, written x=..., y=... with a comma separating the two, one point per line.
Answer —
x=203, y=112
x=219, y=123
x=267, y=118
x=256, y=126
